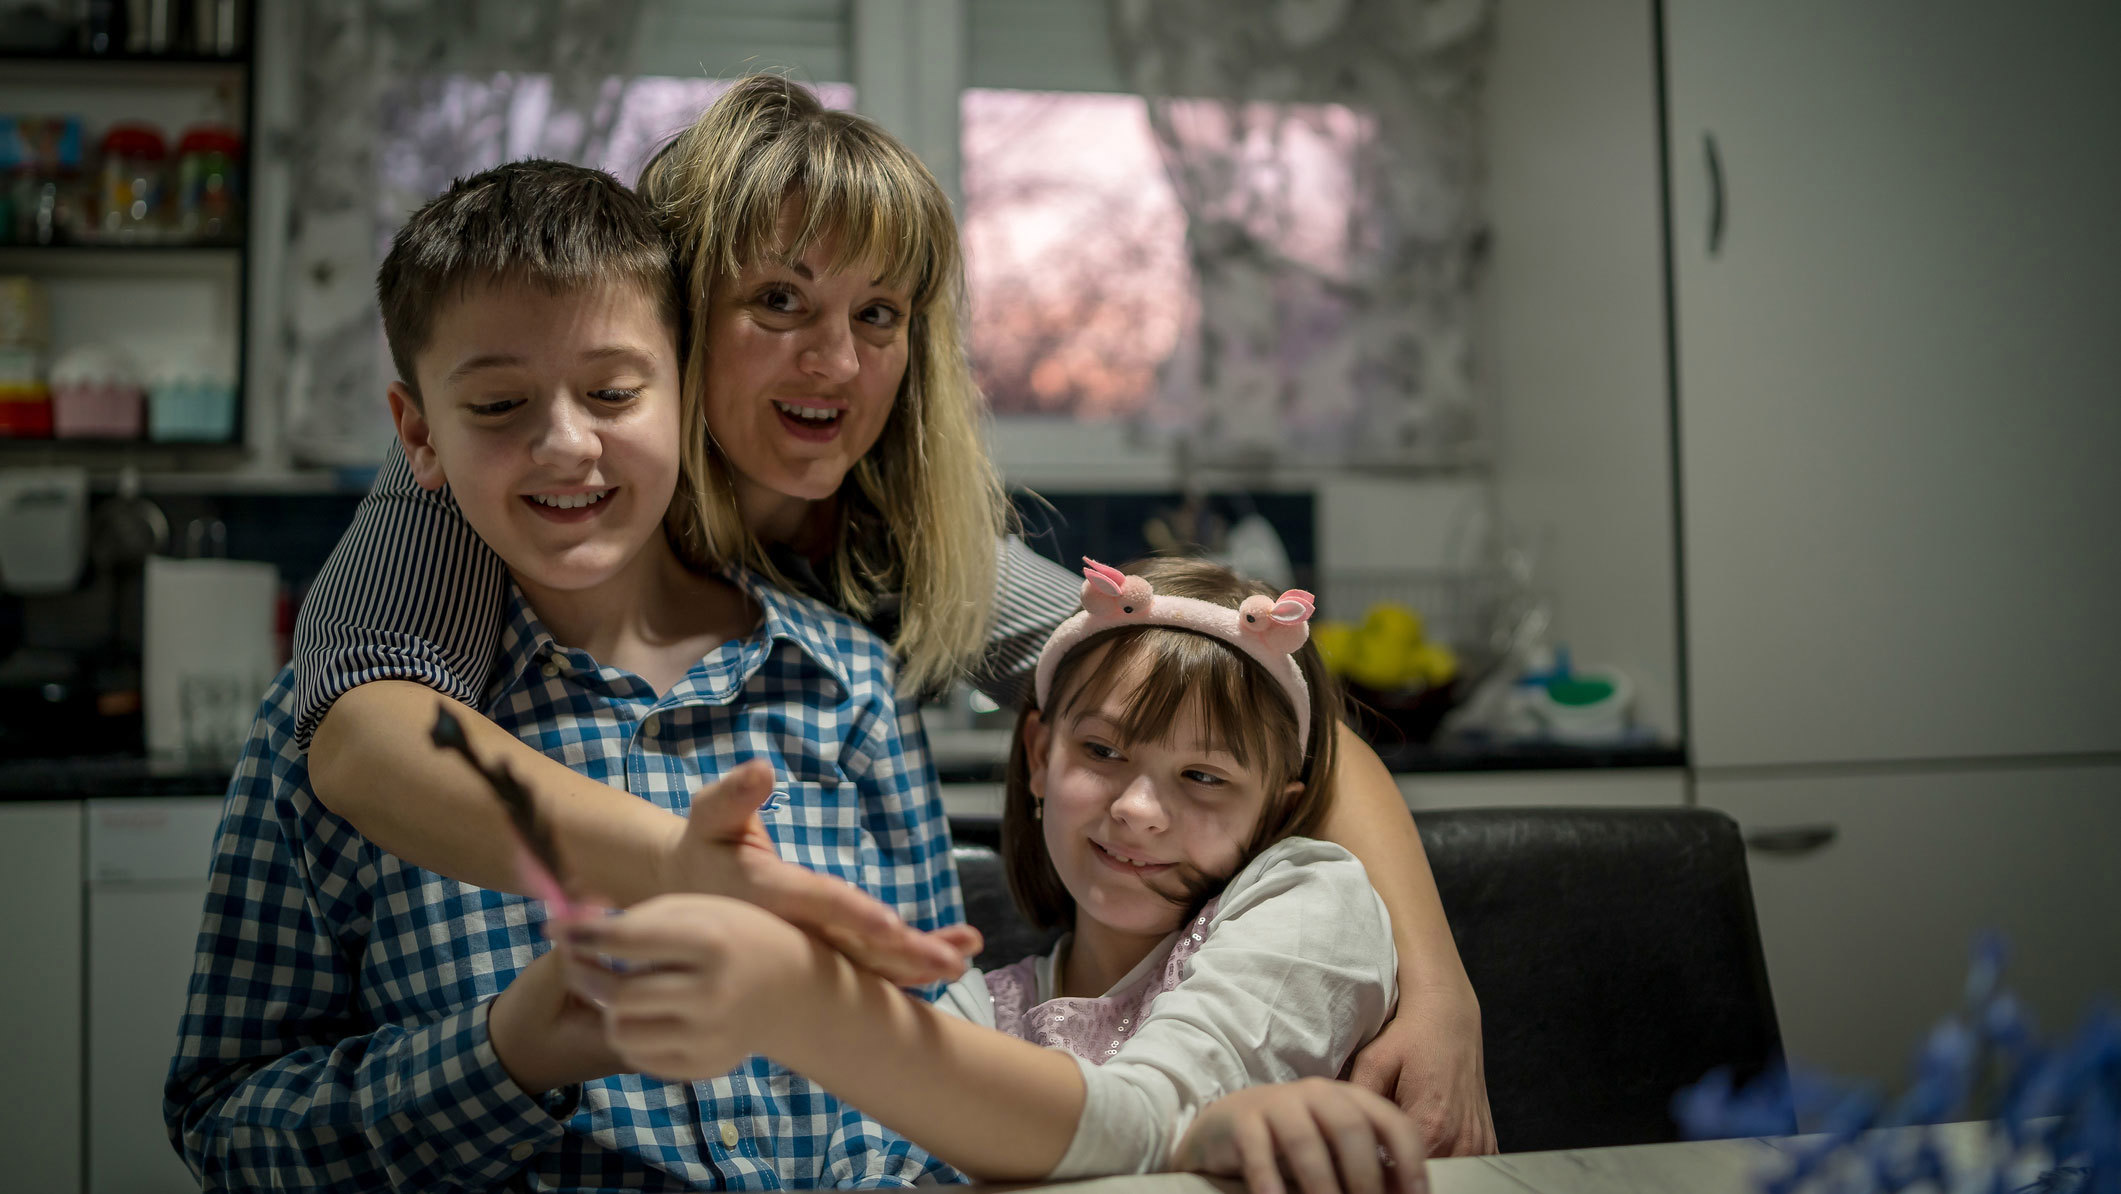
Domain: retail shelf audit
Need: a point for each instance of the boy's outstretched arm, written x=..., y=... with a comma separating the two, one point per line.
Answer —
x=372, y=764
x=1428, y=1057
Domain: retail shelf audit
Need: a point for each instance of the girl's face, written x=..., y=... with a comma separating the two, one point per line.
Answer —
x=1126, y=821
x=803, y=366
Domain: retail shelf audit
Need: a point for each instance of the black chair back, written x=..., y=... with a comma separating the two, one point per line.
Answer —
x=1614, y=951
x=1616, y=957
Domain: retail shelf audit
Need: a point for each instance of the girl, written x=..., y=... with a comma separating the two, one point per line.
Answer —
x=1161, y=786
x=839, y=456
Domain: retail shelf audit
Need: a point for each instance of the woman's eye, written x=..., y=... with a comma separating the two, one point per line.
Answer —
x=615, y=397
x=882, y=315
x=499, y=406
x=778, y=298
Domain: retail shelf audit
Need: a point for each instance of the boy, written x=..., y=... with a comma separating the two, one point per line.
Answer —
x=356, y=1022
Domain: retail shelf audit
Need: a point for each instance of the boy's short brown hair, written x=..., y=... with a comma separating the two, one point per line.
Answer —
x=553, y=225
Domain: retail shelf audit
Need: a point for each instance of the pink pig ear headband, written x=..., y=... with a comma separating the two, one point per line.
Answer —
x=1269, y=629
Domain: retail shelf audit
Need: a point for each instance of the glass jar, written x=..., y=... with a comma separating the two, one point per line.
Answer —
x=135, y=181
x=208, y=203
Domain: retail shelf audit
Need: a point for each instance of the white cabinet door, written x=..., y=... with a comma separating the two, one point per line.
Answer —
x=1900, y=441
x=1868, y=937
x=1617, y=788
x=40, y=995
x=148, y=861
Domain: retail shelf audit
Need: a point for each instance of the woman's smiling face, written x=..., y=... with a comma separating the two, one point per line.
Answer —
x=804, y=364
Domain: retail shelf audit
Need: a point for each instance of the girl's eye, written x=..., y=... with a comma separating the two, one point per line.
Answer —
x=1100, y=752
x=499, y=406
x=615, y=397
x=1206, y=779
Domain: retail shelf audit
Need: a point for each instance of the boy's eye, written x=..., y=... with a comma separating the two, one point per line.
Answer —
x=499, y=406
x=615, y=397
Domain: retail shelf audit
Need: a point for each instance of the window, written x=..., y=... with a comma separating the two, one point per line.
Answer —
x=1076, y=240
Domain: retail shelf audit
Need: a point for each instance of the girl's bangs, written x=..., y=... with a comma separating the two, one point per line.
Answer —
x=1241, y=709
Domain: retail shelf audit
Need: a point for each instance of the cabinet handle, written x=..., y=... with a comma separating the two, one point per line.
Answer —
x=1715, y=161
x=1792, y=840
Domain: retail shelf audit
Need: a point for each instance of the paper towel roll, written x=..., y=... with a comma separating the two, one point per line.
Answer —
x=43, y=528
x=209, y=622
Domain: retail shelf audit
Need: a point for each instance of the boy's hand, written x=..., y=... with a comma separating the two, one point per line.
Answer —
x=724, y=850
x=690, y=985
x=546, y=1036
x=1328, y=1135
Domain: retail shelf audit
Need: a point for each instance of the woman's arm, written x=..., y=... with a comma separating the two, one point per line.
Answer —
x=1428, y=1058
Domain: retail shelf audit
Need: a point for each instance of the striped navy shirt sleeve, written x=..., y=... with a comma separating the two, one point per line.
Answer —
x=410, y=593
x=1033, y=596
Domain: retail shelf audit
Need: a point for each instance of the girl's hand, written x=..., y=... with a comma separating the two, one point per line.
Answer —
x=725, y=850
x=1428, y=1060
x=1328, y=1135
x=690, y=985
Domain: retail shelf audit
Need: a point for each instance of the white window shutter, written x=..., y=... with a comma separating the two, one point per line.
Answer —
x=808, y=39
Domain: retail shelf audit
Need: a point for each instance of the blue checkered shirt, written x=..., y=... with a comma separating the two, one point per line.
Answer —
x=335, y=1032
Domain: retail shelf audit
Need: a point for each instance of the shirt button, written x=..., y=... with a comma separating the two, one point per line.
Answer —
x=728, y=1134
x=550, y=669
x=521, y=1152
x=649, y=726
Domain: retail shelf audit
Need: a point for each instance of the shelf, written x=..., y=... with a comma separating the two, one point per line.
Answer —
x=216, y=246
x=72, y=58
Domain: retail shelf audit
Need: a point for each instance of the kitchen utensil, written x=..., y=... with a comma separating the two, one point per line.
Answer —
x=43, y=528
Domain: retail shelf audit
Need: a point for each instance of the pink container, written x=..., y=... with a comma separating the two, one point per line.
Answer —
x=97, y=411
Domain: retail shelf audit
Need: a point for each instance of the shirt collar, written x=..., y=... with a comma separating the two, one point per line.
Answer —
x=812, y=628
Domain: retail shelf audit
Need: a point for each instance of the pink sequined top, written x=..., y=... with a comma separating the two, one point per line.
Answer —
x=1092, y=1029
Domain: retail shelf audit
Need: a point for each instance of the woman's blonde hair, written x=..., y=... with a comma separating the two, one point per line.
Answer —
x=923, y=509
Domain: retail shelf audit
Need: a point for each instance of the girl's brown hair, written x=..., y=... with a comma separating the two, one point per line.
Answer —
x=1242, y=709
x=923, y=510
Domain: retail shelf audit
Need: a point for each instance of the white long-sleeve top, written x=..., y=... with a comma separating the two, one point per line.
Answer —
x=1294, y=971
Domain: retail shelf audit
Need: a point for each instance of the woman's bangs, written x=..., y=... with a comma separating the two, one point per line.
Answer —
x=868, y=205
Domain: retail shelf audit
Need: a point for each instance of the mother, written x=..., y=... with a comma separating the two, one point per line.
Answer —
x=841, y=458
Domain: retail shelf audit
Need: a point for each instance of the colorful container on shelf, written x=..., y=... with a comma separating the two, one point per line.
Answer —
x=191, y=401
x=208, y=192
x=96, y=394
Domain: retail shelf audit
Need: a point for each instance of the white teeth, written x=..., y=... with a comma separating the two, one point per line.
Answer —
x=570, y=501
x=808, y=412
x=1129, y=861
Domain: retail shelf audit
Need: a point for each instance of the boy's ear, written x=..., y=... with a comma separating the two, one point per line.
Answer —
x=1037, y=739
x=416, y=435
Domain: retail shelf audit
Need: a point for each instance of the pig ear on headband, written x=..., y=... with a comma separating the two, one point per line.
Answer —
x=1104, y=576
x=1293, y=607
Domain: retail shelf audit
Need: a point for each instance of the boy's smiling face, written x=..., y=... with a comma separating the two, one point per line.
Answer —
x=554, y=419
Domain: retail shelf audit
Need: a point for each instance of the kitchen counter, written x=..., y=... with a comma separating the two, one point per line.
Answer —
x=109, y=776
